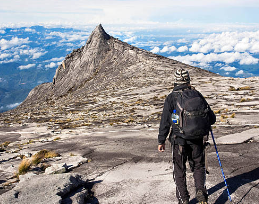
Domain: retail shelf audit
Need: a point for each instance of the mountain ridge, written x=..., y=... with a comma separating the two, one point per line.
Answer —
x=101, y=53
x=99, y=70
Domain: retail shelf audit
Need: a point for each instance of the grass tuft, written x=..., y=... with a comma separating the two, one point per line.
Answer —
x=245, y=99
x=242, y=100
x=24, y=166
x=5, y=144
x=232, y=88
x=245, y=88
x=39, y=156
x=217, y=111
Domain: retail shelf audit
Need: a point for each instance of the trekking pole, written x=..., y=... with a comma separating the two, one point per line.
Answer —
x=220, y=165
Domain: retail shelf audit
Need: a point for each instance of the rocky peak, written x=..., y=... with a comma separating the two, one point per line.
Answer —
x=106, y=63
x=82, y=64
x=98, y=33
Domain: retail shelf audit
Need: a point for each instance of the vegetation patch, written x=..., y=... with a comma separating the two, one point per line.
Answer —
x=245, y=88
x=27, y=163
x=232, y=88
x=245, y=99
x=217, y=111
x=24, y=166
x=4, y=145
x=57, y=138
x=39, y=156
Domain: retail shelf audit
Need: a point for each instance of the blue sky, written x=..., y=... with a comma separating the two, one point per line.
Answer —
x=136, y=13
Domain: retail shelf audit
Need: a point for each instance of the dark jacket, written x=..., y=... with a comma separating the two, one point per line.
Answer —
x=166, y=121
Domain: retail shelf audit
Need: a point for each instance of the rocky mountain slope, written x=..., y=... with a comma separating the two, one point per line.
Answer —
x=94, y=72
x=101, y=115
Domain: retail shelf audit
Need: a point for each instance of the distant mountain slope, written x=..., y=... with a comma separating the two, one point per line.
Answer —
x=104, y=65
x=106, y=61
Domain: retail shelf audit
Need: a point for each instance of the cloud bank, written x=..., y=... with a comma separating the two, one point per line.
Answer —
x=15, y=41
x=130, y=11
x=28, y=66
x=226, y=57
x=10, y=106
x=228, y=42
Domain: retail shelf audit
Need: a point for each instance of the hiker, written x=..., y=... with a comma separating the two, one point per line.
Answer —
x=188, y=130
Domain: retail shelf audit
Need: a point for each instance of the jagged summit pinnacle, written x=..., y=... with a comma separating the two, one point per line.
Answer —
x=100, y=33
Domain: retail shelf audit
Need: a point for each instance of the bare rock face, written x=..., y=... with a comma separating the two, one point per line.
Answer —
x=82, y=64
x=106, y=62
x=46, y=189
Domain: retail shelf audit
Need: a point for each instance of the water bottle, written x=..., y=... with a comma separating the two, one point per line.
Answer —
x=175, y=117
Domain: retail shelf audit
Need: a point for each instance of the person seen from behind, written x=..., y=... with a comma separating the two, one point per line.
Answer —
x=187, y=120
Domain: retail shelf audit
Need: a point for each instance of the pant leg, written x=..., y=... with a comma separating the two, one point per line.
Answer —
x=199, y=172
x=179, y=171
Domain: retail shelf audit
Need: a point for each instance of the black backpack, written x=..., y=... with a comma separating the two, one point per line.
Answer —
x=193, y=112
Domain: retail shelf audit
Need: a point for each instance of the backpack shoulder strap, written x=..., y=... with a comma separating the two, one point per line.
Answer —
x=176, y=94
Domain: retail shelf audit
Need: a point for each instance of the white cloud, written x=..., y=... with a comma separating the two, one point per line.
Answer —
x=165, y=49
x=3, y=56
x=219, y=65
x=255, y=48
x=182, y=49
x=30, y=30
x=2, y=32
x=155, y=50
x=70, y=37
x=108, y=11
x=226, y=48
x=182, y=40
x=6, y=44
x=28, y=66
x=168, y=49
x=35, y=53
x=226, y=57
x=55, y=59
x=240, y=72
x=52, y=65
x=195, y=47
x=131, y=39
x=228, y=68
x=242, y=46
x=115, y=33
x=13, y=105
x=16, y=57
x=228, y=42
x=248, y=59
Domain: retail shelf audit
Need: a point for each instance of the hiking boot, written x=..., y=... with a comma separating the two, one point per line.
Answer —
x=201, y=197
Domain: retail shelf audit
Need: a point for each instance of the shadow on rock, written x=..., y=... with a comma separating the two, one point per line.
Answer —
x=234, y=183
x=91, y=198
